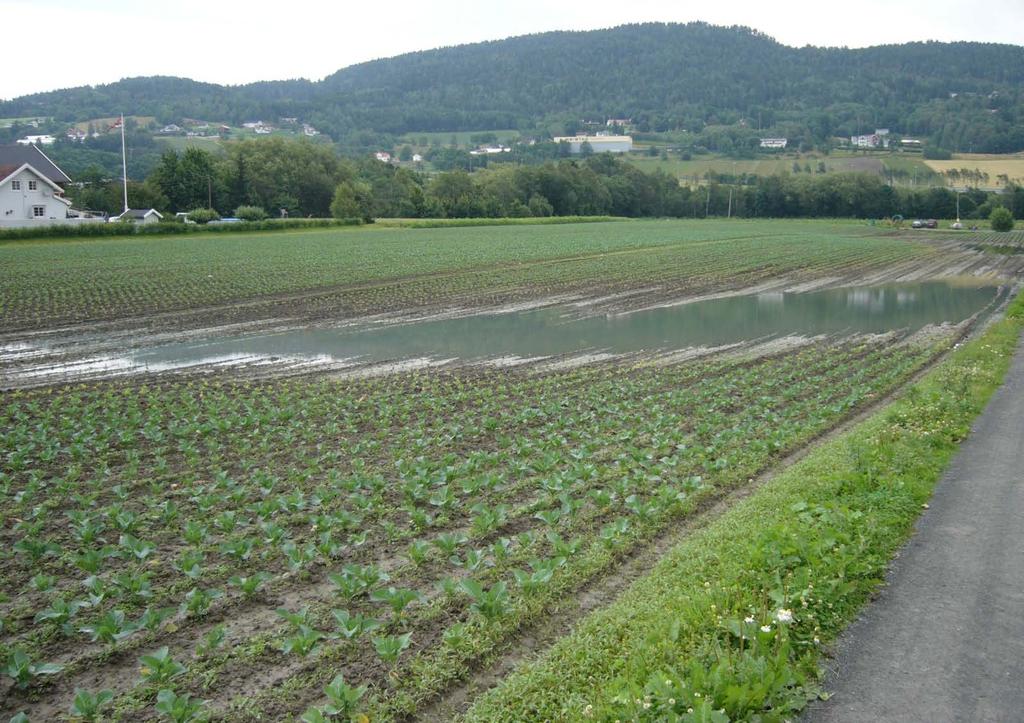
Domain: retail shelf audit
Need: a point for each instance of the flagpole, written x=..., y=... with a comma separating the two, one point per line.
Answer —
x=124, y=166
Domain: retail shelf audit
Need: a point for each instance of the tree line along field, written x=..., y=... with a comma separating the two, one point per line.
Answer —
x=201, y=547
x=353, y=271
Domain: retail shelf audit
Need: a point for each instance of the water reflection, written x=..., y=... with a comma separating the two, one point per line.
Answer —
x=559, y=330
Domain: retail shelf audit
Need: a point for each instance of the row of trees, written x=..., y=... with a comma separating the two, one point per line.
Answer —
x=308, y=179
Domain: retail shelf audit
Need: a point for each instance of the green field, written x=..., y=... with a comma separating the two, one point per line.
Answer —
x=462, y=138
x=48, y=283
x=213, y=544
x=8, y=122
x=180, y=143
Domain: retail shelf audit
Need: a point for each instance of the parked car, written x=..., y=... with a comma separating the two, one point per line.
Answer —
x=923, y=223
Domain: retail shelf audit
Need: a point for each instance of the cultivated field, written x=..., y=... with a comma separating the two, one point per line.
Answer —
x=215, y=545
x=348, y=272
x=992, y=171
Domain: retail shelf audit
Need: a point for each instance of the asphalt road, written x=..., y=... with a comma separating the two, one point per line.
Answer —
x=945, y=639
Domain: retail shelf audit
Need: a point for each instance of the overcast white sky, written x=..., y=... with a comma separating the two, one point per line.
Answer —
x=68, y=43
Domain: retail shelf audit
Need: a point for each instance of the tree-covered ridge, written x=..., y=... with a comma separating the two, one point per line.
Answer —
x=666, y=77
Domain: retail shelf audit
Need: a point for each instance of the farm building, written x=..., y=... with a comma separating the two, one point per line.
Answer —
x=36, y=140
x=774, y=142
x=600, y=144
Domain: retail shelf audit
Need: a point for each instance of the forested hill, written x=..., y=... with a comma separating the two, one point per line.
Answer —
x=962, y=96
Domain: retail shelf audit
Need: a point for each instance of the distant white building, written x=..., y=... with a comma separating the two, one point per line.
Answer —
x=382, y=156
x=490, y=151
x=308, y=130
x=36, y=140
x=774, y=142
x=880, y=138
x=171, y=128
x=600, y=144
x=618, y=122
x=417, y=158
x=911, y=142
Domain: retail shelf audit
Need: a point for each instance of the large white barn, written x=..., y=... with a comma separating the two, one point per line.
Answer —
x=600, y=144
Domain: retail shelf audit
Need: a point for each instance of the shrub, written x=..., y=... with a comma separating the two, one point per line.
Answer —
x=250, y=213
x=203, y=215
x=1001, y=219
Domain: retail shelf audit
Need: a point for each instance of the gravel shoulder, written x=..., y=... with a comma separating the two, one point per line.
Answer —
x=944, y=641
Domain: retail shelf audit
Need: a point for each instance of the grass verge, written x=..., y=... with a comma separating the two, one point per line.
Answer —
x=730, y=624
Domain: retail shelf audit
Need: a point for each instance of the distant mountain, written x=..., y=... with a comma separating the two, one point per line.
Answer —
x=666, y=77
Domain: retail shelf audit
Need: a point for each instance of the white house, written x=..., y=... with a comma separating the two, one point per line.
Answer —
x=872, y=140
x=774, y=142
x=600, y=144
x=417, y=158
x=382, y=156
x=36, y=140
x=31, y=187
x=139, y=215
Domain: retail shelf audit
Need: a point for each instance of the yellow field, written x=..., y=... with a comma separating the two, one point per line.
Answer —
x=992, y=170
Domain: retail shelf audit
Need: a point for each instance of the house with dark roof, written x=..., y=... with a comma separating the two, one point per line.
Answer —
x=139, y=215
x=31, y=187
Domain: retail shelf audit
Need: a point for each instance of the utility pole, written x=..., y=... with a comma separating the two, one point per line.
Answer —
x=124, y=164
x=730, y=203
x=707, y=204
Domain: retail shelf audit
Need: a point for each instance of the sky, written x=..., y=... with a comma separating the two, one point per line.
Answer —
x=91, y=42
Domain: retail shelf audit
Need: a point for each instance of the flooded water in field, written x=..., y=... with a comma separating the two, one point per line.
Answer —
x=561, y=330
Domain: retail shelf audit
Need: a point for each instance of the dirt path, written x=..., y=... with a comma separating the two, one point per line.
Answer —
x=945, y=639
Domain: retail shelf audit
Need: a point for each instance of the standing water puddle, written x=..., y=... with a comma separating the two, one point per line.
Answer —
x=560, y=330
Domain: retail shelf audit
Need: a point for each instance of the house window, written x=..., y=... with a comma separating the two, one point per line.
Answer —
x=38, y=211
x=32, y=185
x=15, y=185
